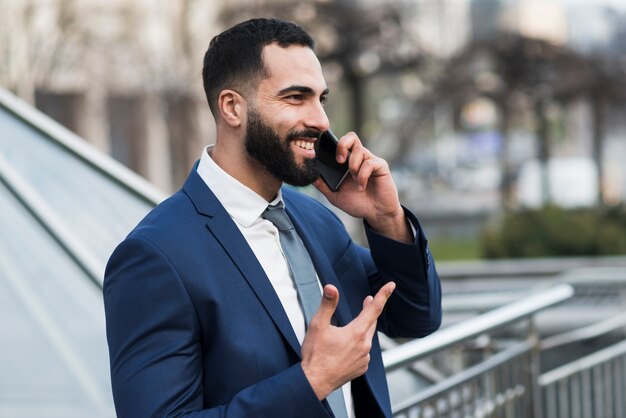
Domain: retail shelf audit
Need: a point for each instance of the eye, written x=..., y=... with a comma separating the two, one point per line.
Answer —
x=295, y=98
x=323, y=100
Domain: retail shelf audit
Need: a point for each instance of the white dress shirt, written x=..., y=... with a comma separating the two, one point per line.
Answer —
x=245, y=207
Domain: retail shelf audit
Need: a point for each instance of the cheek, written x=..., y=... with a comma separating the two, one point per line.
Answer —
x=283, y=118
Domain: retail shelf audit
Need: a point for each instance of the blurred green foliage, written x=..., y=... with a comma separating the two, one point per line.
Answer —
x=553, y=231
x=455, y=249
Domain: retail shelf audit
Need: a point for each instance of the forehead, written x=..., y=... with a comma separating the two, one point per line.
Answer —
x=292, y=66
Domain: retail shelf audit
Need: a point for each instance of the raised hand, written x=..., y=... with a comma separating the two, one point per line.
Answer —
x=332, y=356
x=369, y=192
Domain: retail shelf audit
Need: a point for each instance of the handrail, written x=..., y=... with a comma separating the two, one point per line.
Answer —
x=409, y=352
x=523, y=268
x=594, y=359
x=464, y=376
x=63, y=137
x=585, y=333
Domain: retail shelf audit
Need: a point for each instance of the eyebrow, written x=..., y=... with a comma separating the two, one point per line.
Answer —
x=301, y=89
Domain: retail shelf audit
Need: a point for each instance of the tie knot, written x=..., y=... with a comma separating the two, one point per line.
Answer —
x=276, y=214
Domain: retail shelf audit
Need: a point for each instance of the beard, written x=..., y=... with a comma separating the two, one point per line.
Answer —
x=275, y=155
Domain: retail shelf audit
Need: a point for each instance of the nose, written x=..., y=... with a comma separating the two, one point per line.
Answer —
x=317, y=118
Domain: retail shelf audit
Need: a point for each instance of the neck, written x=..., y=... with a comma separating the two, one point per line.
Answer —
x=246, y=170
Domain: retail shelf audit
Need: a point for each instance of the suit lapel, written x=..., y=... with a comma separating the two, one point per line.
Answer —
x=224, y=230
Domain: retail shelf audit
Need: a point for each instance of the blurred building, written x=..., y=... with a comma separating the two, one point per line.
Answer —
x=125, y=75
x=485, y=18
x=543, y=19
x=443, y=27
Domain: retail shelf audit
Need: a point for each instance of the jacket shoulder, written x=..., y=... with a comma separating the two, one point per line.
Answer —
x=304, y=205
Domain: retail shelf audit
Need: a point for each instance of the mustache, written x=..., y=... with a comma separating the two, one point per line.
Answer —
x=308, y=133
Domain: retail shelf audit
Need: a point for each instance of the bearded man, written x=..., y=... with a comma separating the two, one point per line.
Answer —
x=207, y=311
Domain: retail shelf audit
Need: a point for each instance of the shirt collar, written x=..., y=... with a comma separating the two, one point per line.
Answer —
x=243, y=204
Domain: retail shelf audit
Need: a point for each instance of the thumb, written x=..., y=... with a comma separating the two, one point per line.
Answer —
x=330, y=299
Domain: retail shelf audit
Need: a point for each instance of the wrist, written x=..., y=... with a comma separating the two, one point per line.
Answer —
x=320, y=389
x=393, y=225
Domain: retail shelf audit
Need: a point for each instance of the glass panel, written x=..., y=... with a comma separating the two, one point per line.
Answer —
x=96, y=209
x=53, y=352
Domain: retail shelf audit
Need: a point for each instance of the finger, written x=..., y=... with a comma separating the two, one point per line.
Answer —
x=373, y=309
x=372, y=329
x=365, y=172
x=357, y=157
x=369, y=334
x=330, y=299
x=345, y=146
x=367, y=300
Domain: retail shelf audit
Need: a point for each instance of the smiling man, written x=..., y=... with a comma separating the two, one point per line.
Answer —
x=237, y=297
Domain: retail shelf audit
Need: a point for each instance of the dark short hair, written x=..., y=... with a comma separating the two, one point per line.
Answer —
x=234, y=59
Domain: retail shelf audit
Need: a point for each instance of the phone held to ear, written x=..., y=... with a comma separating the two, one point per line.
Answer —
x=330, y=170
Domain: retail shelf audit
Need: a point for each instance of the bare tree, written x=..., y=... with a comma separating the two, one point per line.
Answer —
x=507, y=66
x=36, y=49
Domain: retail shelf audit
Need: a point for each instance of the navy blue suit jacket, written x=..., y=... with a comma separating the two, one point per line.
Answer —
x=195, y=328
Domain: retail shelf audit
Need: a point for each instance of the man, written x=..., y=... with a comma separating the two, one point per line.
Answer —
x=205, y=313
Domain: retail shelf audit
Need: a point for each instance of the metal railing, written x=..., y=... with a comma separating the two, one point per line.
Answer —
x=499, y=385
x=407, y=353
x=593, y=386
x=503, y=384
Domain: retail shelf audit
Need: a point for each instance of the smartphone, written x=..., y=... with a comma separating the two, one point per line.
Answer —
x=330, y=170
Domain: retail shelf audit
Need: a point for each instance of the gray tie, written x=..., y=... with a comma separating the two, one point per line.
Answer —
x=303, y=275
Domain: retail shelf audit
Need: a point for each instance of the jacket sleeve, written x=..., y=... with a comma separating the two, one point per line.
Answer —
x=414, y=309
x=155, y=348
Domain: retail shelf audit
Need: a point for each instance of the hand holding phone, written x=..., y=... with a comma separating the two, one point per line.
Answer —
x=332, y=172
x=372, y=195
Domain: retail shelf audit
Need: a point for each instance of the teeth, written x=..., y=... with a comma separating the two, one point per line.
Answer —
x=304, y=144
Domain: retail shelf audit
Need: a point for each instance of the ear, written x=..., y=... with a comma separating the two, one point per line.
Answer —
x=232, y=107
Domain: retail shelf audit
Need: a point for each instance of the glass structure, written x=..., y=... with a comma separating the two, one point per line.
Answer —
x=63, y=208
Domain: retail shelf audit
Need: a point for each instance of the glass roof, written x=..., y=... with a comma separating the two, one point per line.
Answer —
x=64, y=207
x=94, y=207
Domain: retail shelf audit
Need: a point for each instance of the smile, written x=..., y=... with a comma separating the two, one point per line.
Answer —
x=308, y=145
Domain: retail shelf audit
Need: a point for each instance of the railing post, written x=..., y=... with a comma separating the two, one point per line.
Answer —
x=536, y=401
